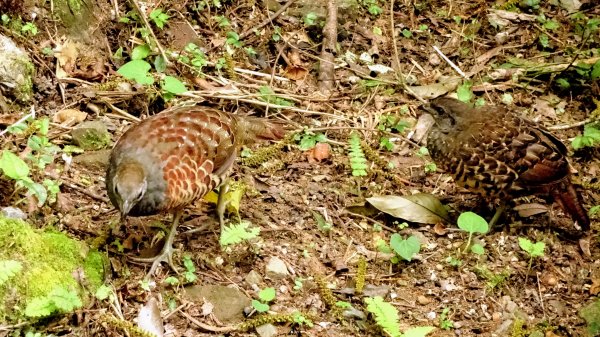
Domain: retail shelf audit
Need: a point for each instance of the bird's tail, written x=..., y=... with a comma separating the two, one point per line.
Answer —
x=570, y=201
x=251, y=128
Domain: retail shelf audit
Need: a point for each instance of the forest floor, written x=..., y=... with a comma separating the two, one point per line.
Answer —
x=538, y=58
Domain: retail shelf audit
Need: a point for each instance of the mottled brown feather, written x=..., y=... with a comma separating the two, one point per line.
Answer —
x=185, y=152
x=496, y=153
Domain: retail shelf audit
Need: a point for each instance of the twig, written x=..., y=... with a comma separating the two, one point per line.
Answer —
x=570, y=126
x=77, y=188
x=21, y=120
x=326, y=67
x=452, y=64
x=158, y=45
x=208, y=327
x=268, y=20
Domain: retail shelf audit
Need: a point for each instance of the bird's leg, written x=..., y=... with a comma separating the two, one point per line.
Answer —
x=166, y=253
x=222, y=203
x=499, y=210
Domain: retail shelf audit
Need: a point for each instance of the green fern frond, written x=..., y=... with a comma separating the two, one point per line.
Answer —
x=237, y=233
x=358, y=162
x=386, y=315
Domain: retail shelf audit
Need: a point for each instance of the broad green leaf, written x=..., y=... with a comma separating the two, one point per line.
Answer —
x=173, y=85
x=267, y=294
x=472, y=223
x=137, y=70
x=13, y=166
x=405, y=248
x=140, y=52
x=477, y=249
x=259, y=306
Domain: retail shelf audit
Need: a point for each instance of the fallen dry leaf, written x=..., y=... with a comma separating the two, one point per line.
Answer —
x=420, y=207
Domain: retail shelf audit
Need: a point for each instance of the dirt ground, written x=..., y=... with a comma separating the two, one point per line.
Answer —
x=495, y=294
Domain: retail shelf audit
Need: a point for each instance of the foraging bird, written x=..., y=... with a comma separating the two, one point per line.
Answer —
x=495, y=153
x=169, y=160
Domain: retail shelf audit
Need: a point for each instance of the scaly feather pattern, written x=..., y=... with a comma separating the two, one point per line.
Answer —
x=496, y=153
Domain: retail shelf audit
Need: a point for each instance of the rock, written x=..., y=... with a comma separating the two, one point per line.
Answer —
x=93, y=159
x=276, y=269
x=228, y=302
x=92, y=135
x=423, y=300
x=13, y=213
x=253, y=278
x=266, y=330
x=16, y=71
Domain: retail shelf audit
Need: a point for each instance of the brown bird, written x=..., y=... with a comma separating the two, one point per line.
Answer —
x=495, y=153
x=169, y=160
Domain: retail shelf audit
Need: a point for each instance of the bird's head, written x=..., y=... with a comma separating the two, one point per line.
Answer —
x=129, y=186
x=447, y=112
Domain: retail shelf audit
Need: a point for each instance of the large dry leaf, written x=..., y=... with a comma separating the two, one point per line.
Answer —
x=420, y=207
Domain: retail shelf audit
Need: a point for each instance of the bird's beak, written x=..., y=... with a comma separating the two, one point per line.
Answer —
x=126, y=207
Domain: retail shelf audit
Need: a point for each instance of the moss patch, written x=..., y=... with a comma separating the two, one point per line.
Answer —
x=50, y=260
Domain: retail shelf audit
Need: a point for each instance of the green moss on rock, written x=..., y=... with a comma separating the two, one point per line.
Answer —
x=50, y=260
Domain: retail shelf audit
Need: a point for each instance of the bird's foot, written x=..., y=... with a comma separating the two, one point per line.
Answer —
x=165, y=255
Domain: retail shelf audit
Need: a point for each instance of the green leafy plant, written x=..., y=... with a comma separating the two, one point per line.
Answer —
x=308, y=139
x=59, y=300
x=386, y=317
x=372, y=6
x=405, y=248
x=104, y=292
x=265, y=296
x=445, y=322
x=464, y=93
x=172, y=86
x=192, y=55
x=30, y=29
x=9, y=269
x=42, y=153
x=138, y=71
x=534, y=250
x=268, y=95
x=276, y=34
x=238, y=233
x=222, y=21
x=589, y=138
x=454, y=261
x=190, y=269
x=472, y=223
x=310, y=19
x=233, y=39
x=358, y=162
x=159, y=18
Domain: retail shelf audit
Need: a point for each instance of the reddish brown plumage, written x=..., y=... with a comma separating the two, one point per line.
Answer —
x=183, y=152
x=496, y=153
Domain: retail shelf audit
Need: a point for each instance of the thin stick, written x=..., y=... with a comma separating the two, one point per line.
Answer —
x=208, y=327
x=158, y=45
x=21, y=120
x=452, y=64
x=268, y=20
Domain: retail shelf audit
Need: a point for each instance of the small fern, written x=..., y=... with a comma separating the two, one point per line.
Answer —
x=358, y=162
x=58, y=300
x=235, y=234
x=386, y=315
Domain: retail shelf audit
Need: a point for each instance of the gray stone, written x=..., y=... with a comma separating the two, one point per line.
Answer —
x=91, y=135
x=13, y=213
x=276, y=268
x=253, y=277
x=93, y=159
x=229, y=303
x=266, y=330
x=16, y=70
